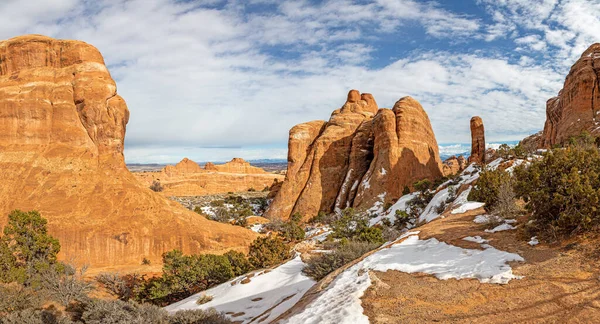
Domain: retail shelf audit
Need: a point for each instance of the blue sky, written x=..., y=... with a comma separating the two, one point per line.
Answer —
x=213, y=79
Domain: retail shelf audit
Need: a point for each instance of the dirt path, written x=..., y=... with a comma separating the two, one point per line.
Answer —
x=561, y=283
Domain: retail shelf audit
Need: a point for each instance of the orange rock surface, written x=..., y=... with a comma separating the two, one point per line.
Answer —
x=477, y=141
x=454, y=165
x=577, y=106
x=361, y=157
x=187, y=178
x=62, y=127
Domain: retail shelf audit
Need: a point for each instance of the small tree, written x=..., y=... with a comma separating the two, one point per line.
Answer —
x=33, y=250
x=487, y=187
x=267, y=251
x=66, y=284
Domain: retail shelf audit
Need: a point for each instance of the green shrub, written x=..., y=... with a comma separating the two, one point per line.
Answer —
x=562, y=191
x=487, y=187
x=239, y=262
x=291, y=230
x=267, y=251
x=354, y=225
x=319, y=266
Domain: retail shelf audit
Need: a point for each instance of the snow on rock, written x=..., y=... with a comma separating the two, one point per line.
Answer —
x=257, y=227
x=466, y=207
x=378, y=207
x=263, y=299
x=341, y=304
x=499, y=228
x=534, y=241
x=494, y=164
x=463, y=204
x=401, y=204
x=484, y=219
x=430, y=212
x=475, y=239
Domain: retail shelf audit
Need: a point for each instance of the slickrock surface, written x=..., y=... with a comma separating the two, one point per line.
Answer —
x=477, y=141
x=62, y=127
x=187, y=178
x=362, y=157
x=577, y=106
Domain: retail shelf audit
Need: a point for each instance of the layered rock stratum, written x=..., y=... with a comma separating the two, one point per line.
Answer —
x=62, y=128
x=478, y=153
x=187, y=178
x=577, y=106
x=363, y=157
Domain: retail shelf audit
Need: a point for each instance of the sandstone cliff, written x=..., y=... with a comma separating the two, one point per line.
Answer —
x=577, y=106
x=477, y=141
x=454, y=165
x=187, y=178
x=362, y=157
x=62, y=126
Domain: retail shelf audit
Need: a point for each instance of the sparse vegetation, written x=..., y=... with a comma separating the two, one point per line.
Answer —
x=34, y=281
x=562, y=190
x=354, y=225
x=156, y=186
x=291, y=230
x=346, y=251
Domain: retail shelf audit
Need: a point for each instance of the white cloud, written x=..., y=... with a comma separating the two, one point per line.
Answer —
x=217, y=74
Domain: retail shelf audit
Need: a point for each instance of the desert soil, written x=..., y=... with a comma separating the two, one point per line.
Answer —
x=560, y=284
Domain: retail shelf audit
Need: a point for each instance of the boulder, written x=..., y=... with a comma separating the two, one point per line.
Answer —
x=62, y=128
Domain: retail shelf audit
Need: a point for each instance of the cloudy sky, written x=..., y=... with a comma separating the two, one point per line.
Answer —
x=214, y=79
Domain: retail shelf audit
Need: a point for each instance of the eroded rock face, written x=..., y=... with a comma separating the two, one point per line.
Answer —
x=62, y=127
x=477, y=141
x=187, y=178
x=577, y=106
x=361, y=157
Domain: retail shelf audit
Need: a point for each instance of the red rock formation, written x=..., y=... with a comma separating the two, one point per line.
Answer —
x=361, y=157
x=532, y=142
x=577, y=106
x=184, y=166
x=62, y=126
x=477, y=141
x=454, y=165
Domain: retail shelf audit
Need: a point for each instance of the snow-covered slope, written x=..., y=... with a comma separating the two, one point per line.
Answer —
x=264, y=298
x=341, y=304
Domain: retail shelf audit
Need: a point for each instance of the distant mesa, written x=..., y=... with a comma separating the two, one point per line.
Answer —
x=362, y=157
x=236, y=165
x=187, y=178
x=478, y=151
x=62, y=128
x=577, y=106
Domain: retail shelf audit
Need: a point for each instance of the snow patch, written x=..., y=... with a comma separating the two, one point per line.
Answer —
x=341, y=304
x=476, y=239
x=499, y=228
x=277, y=290
x=534, y=241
